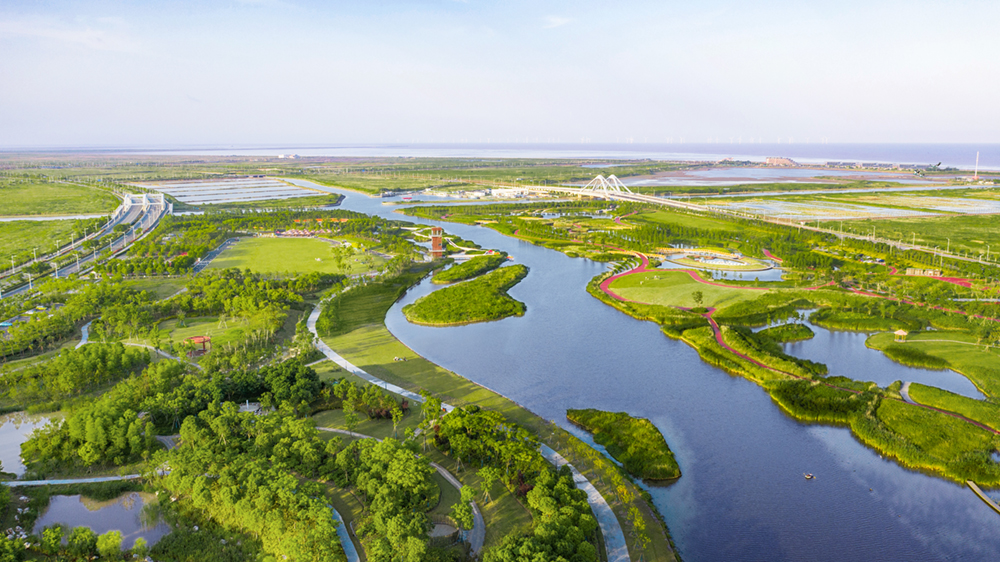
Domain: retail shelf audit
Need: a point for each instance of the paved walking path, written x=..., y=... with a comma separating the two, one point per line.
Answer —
x=983, y=496
x=904, y=391
x=95, y=480
x=614, y=538
x=478, y=534
x=345, y=537
x=85, y=331
x=610, y=527
x=353, y=369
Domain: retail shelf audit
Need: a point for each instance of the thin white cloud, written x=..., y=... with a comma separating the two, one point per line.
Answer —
x=82, y=35
x=554, y=21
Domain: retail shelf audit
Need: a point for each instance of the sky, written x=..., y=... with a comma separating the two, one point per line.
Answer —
x=119, y=74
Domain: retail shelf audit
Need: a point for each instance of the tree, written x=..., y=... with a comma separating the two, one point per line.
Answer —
x=489, y=475
x=698, y=297
x=397, y=416
x=82, y=542
x=52, y=539
x=109, y=545
x=461, y=512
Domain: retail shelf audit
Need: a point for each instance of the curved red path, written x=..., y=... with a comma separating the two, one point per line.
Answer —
x=644, y=267
x=772, y=256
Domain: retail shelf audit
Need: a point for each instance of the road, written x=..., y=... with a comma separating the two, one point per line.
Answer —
x=145, y=221
x=686, y=205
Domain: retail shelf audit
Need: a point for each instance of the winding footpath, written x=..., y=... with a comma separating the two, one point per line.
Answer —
x=605, y=287
x=606, y=519
x=478, y=534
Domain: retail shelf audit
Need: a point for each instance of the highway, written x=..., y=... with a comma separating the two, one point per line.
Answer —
x=144, y=221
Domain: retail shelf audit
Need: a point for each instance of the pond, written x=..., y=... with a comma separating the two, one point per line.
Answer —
x=124, y=514
x=846, y=354
x=773, y=274
x=15, y=429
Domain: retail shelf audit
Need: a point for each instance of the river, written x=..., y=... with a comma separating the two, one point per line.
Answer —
x=742, y=496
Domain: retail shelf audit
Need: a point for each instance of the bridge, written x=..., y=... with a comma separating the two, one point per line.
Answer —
x=612, y=188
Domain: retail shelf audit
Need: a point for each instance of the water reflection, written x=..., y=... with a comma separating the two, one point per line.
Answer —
x=15, y=429
x=742, y=495
x=124, y=514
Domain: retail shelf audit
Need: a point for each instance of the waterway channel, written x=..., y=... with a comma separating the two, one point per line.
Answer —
x=742, y=496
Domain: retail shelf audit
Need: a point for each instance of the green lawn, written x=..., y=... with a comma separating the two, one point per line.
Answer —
x=160, y=288
x=984, y=412
x=234, y=331
x=19, y=237
x=24, y=198
x=971, y=233
x=960, y=350
x=292, y=255
x=684, y=219
x=676, y=288
x=364, y=341
x=944, y=437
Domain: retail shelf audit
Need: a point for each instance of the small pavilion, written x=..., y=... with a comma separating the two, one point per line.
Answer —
x=206, y=345
x=900, y=335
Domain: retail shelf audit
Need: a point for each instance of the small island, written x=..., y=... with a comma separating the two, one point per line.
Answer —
x=480, y=300
x=472, y=268
x=635, y=442
x=787, y=333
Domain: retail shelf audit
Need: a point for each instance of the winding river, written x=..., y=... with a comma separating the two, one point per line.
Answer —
x=742, y=496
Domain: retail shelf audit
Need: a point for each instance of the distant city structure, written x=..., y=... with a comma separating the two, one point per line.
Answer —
x=780, y=161
x=877, y=166
x=912, y=271
x=291, y=156
x=437, y=242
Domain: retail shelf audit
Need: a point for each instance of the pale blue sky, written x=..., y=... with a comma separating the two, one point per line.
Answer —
x=252, y=72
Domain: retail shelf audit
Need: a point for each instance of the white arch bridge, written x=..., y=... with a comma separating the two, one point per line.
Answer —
x=612, y=188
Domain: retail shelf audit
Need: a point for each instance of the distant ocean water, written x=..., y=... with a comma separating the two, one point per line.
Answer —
x=961, y=156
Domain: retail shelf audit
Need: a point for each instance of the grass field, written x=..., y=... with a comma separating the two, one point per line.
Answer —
x=370, y=346
x=17, y=238
x=292, y=255
x=941, y=436
x=684, y=219
x=203, y=326
x=980, y=366
x=677, y=288
x=160, y=288
x=24, y=198
x=984, y=412
x=972, y=233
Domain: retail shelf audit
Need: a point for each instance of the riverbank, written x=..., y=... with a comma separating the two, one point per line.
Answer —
x=370, y=345
x=946, y=444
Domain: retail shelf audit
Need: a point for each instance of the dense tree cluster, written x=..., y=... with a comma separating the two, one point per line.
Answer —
x=395, y=485
x=486, y=437
x=243, y=471
x=564, y=527
x=72, y=372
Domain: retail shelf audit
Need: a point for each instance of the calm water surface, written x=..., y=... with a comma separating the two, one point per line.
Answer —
x=742, y=496
x=124, y=514
x=14, y=430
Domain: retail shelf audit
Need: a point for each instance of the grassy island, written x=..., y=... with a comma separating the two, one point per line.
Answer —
x=785, y=333
x=480, y=300
x=635, y=442
x=472, y=268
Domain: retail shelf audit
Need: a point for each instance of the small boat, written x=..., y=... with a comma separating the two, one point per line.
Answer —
x=809, y=476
